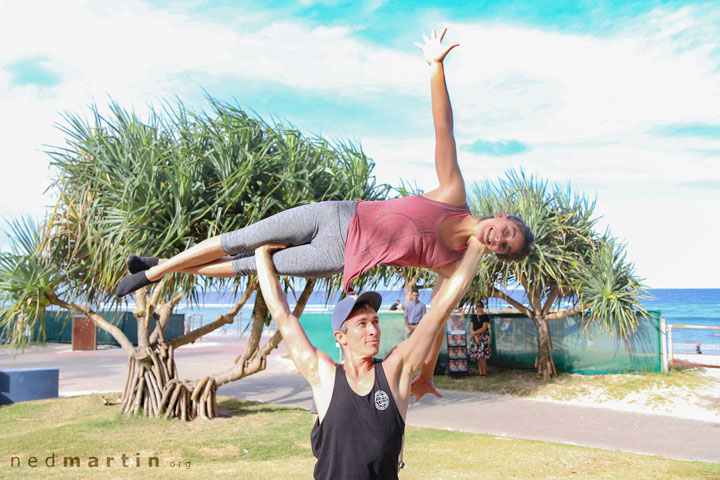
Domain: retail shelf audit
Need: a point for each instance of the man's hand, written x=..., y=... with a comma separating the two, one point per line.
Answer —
x=433, y=49
x=269, y=284
x=422, y=386
x=269, y=248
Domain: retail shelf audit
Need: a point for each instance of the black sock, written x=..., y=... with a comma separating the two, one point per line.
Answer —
x=136, y=263
x=132, y=282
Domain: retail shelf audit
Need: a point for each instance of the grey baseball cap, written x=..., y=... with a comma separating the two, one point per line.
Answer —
x=345, y=306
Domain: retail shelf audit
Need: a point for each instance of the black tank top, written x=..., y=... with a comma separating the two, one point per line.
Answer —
x=361, y=435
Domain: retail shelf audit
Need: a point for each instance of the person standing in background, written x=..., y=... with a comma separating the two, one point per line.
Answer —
x=414, y=311
x=480, y=350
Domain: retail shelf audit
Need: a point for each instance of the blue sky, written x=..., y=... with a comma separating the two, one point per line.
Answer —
x=622, y=99
x=32, y=71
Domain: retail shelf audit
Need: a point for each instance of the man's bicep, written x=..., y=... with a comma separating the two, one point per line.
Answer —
x=302, y=352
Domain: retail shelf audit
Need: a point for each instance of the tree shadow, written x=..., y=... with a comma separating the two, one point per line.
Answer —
x=233, y=407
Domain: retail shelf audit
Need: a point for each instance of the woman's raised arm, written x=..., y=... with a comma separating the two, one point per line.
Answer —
x=452, y=186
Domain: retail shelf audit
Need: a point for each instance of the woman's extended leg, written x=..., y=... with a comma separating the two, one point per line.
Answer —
x=309, y=261
x=203, y=253
x=220, y=268
x=323, y=255
x=296, y=226
x=322, y=258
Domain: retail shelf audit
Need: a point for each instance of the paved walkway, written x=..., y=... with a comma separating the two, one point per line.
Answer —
x=660, y=435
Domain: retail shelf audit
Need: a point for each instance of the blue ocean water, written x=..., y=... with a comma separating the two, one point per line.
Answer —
x=695, y=307
x=680, y=306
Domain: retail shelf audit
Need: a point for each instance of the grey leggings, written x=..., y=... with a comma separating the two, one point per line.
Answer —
x=316, y=233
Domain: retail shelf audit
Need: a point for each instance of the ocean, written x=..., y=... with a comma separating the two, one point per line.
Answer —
x=678, y=306
x=698, y=307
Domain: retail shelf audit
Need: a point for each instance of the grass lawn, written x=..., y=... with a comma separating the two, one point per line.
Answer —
x=262, y=441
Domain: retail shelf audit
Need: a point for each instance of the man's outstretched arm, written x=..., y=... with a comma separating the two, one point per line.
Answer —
x=302, y=352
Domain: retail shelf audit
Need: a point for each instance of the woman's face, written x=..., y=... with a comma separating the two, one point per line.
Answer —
x=500, y=235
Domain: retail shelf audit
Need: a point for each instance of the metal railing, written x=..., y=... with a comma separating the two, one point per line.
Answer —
x=700, y=350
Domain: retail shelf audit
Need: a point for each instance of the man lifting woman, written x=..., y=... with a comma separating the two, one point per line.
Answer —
x=430, y=230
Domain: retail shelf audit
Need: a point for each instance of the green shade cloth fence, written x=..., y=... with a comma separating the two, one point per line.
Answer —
x=58, y=327
x=578, y=346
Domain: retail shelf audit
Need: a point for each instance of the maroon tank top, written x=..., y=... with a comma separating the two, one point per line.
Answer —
x=402, y=232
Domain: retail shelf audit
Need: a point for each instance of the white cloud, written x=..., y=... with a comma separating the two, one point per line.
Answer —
x=669, y=240
x=578, y=87
x=134, y=54
x=583, y=104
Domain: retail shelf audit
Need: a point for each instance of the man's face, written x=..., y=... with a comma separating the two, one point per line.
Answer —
x=415, y=296
x=363, y=332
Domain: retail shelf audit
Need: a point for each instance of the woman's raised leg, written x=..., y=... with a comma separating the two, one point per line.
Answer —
x=220, y=268
x=297, y=226
x=204, y=252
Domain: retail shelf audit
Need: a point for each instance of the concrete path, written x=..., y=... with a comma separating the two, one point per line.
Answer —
x=660, y=435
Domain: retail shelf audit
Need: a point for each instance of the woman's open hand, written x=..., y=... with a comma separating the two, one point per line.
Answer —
x=433, y=49
x=422, y=386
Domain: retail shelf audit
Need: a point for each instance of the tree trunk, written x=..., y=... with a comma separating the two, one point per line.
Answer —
x=544, y=362
x=147, y=382
x=152, y=385
x=254, y=360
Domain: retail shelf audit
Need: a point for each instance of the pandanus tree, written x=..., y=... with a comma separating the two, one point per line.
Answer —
x=158, y=186
x=571, y=262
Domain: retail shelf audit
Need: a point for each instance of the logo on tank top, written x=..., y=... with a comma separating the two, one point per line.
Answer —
x=382, y=401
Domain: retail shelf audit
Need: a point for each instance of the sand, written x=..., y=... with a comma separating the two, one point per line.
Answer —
x=672, y=401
